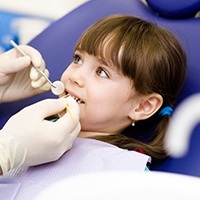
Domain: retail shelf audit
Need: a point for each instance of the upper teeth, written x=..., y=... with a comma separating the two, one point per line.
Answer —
x=76, y=99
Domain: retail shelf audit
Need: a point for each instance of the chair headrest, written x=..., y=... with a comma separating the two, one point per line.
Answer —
x=174, y=8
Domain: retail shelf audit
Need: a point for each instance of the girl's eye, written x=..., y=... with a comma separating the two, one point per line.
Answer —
x=101, y=72
x=77, y=59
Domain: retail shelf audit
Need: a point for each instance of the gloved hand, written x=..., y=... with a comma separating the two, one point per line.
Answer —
x=29, y=139
x=18, y=79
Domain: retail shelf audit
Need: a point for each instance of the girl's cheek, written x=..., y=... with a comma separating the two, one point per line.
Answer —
x=64, y=76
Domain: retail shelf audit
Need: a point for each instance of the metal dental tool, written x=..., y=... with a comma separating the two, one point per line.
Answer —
x=57, y=87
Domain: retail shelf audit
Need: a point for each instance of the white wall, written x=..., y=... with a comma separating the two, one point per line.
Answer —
x=38, y=15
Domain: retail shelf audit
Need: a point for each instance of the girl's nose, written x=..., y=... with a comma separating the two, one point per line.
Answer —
x=77, y=77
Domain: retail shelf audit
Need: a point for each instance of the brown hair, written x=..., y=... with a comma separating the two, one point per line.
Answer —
x=150, y=56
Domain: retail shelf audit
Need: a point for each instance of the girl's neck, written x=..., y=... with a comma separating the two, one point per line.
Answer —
x=84, y=134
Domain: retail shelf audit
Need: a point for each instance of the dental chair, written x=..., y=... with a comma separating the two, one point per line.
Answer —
x=56, y=44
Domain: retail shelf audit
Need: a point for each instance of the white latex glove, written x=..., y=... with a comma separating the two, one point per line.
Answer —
x=18, y=79
x=29, y=139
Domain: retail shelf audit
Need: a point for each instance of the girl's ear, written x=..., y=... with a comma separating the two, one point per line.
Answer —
x=146, y=107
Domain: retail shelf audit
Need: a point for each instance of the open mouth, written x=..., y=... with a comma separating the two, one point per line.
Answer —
x=77, y=99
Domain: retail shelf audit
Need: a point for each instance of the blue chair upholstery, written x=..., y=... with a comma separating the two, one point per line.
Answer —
x=174, y=8
x=56, y=44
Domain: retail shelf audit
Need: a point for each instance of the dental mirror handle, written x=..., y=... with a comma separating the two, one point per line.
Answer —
x=57, y=87
x=37, y=69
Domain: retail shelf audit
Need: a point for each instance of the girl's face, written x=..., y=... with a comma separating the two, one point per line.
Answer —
x=105, y=96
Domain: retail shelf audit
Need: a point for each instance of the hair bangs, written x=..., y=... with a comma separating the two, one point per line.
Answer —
x=105, y=43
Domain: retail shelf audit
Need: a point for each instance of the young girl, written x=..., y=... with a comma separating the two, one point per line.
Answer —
x=126, y=75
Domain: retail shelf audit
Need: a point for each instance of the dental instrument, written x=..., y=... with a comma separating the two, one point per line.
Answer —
x=70, y=111
x=57, y=87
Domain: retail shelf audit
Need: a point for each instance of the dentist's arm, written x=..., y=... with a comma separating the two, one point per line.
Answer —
x=18, y=79
x=29, y=139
